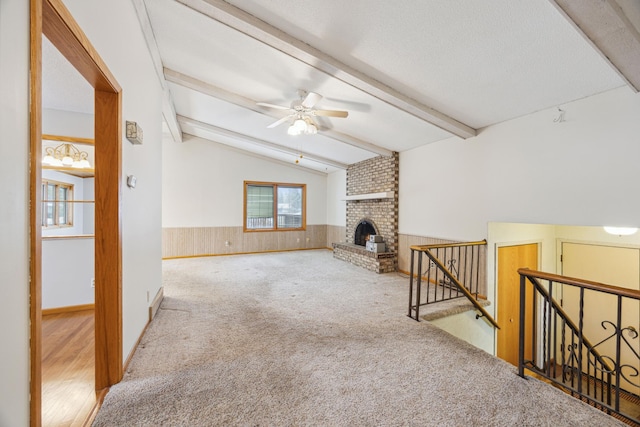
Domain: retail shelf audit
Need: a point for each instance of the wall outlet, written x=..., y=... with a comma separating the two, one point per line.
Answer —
x=298, y=240
x=308, y=239
x=93, y=282
x=227, y=243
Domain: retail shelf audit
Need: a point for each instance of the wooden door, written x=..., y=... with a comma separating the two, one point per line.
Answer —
x=610, y=265
x=510, y=259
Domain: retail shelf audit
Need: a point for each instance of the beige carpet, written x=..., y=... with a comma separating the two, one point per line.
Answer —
x=298, y=338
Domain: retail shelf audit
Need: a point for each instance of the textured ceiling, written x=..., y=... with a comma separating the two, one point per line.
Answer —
x=63, y=88
x=476, y=63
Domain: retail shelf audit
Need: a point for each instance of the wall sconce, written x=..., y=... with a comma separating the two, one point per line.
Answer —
x=134, y=133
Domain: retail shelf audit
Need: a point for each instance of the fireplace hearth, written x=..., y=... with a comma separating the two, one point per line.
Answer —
x=372, y=209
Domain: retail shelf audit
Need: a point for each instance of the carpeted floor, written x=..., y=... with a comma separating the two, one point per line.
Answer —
x=298, y=338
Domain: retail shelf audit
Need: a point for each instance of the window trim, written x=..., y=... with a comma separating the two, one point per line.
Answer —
x=275, y=186
x=68, y=202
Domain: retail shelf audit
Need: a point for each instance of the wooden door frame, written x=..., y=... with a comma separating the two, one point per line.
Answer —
x=51, y=18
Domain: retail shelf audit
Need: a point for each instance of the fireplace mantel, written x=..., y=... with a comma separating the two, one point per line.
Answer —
x=372, y=196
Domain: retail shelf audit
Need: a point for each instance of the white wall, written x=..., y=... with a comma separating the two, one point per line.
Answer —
x=529, y=170
x=203, y=184
x=67, y=269
x=336, y=193
x=124, y=52
x=67, y=123
x=14, y=222
x=114, y=30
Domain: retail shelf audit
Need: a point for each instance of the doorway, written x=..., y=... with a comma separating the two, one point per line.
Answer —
x=51, y=18
x=510, y=259
x=611, y=265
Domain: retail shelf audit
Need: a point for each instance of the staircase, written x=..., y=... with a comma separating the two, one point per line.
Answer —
x=446, y=272
x=604, y=372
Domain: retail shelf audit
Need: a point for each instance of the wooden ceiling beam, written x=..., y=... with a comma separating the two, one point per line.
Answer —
x=241, y=101
x=253, y=27
x=606, y=27
x=189, y=125
x=168, y=109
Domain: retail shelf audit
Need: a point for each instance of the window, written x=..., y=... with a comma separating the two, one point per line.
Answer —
x=270, y=206
x=57, y=211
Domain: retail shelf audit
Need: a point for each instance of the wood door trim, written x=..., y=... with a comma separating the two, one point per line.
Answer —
x=74, y=139
x=67, y=36
x=35, y=223
x=51, y=17
x=108, y=239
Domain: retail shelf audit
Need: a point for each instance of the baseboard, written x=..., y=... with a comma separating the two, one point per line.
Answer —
x=155, y=305
x=244, y=253
x=406, y=273
x=125, y=366
x=153, y=309
x=68, y=309
x=100, y=395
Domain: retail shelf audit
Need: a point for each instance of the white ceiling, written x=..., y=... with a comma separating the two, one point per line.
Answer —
x=409, y=72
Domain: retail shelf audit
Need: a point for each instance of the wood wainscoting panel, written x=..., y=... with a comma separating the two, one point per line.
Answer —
x=405, y=241
x=201, y=241
x=404, y=255
x=336, y=234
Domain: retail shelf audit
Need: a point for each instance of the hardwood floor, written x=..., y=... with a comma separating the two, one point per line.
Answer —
x=68, y=368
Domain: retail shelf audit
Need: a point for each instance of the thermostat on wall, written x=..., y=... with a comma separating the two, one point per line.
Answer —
x=131, y=181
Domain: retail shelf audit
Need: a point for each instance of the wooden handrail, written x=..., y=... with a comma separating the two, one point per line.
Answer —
x=461, y=288
x=447, y=245
x=595, y=286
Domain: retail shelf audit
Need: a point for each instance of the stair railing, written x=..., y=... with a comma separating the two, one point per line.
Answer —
x=452, y=271
x=562, y=353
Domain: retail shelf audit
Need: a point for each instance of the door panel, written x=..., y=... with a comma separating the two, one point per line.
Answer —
x=510, y=259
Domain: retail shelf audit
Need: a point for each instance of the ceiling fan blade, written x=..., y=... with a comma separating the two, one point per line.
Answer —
x=311, y=99
x=330, y=113
x=277, y=107
x=282, y=120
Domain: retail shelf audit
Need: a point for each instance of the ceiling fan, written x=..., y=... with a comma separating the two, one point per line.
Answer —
x=301, y=113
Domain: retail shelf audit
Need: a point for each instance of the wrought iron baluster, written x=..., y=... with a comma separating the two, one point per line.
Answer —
x=555, y=341
x=618, y=343
x=580, y=338
x=545, y=334
x=411, y=273
x=521, y=326
x=429, y=279
x=418, y=285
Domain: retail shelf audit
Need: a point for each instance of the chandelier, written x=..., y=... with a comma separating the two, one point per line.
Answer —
x=66, y=155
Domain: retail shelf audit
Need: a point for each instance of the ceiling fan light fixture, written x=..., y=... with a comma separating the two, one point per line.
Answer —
x=292, y=130
x=300, y=124
x=298, y=127
x=311, y=129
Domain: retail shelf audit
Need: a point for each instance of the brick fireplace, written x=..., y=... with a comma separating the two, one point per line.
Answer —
x=372, y=197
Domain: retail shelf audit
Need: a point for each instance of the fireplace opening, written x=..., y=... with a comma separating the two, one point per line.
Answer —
x=363, y=231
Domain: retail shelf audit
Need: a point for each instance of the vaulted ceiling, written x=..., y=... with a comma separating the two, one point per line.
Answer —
x=409, y=72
